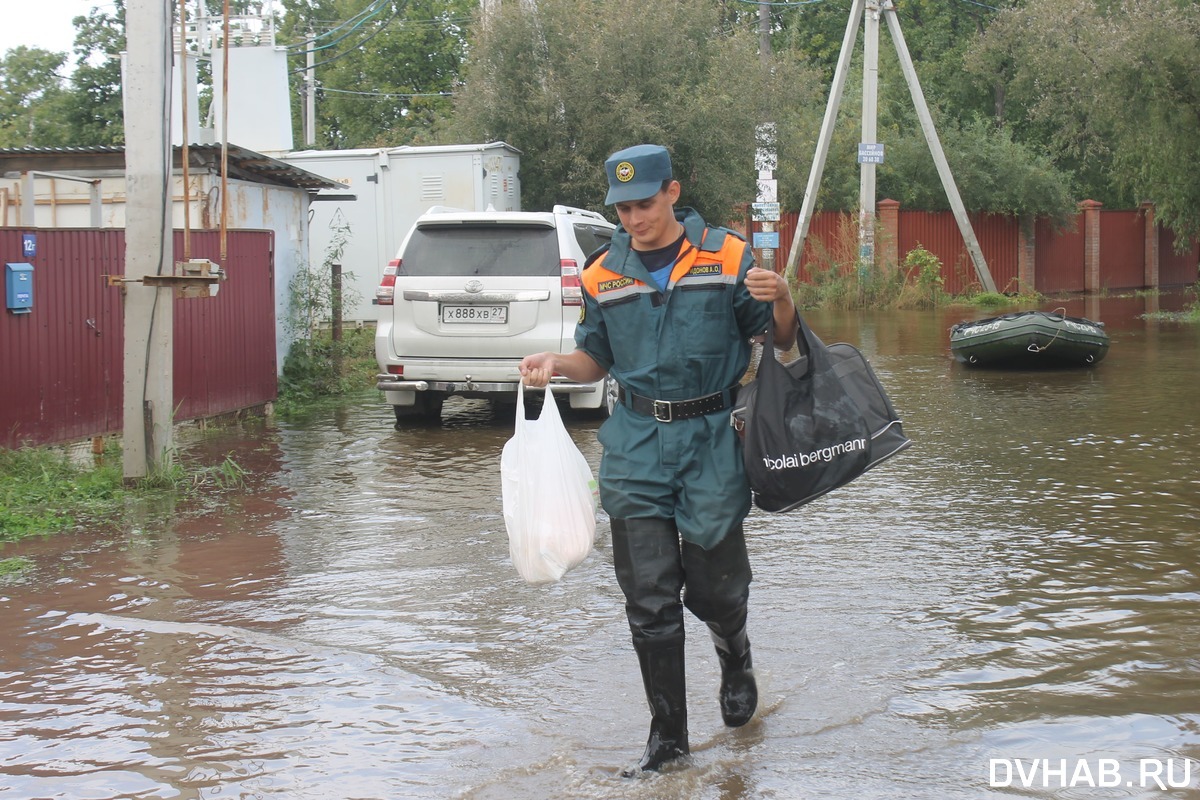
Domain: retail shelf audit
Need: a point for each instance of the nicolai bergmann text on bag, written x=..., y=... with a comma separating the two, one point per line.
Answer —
x=821, y=456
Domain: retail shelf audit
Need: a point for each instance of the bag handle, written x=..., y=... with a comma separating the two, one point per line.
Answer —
x=548, y=404
x=810, y=345
x=520, y=402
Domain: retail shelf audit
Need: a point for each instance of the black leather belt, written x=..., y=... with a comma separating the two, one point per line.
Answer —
x=671, y=410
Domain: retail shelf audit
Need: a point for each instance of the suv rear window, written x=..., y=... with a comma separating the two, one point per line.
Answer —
x=590, y=237
x=452, y=250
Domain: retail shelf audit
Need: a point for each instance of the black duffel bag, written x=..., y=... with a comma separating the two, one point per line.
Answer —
x=814, y=424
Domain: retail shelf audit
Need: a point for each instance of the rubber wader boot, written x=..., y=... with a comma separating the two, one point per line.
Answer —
x=663, y=677
x=739, y=692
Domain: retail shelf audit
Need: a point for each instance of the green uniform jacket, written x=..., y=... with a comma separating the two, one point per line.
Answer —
x=689, y=341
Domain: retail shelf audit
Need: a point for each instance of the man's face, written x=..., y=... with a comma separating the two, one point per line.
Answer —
x=651, y=222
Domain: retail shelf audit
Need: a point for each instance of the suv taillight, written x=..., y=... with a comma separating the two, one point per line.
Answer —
x=386, y=292
x=572, y=289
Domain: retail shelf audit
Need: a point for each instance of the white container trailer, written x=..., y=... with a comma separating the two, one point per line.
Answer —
x=387, y=189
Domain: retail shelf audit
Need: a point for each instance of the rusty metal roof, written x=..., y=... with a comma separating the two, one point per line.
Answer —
x=246, y=165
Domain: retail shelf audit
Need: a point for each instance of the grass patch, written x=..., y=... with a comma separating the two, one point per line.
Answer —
x=318, y=368
x=14, y=567
x=1190, y=315
x=43, y=491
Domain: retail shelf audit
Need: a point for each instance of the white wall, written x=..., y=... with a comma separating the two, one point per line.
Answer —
x=391, y=187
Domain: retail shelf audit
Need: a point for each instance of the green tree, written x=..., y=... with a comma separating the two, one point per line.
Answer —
x=32, y=99
x=1110, y=90
x=568, y=86
x=992, y=170
x=993, y=173
x=386, y=69
x=1153, y=110
x=95, y=114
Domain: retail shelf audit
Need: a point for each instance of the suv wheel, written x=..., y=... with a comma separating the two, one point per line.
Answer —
x=426, y=409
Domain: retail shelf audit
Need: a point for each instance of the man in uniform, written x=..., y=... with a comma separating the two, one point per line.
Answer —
x=670, y=308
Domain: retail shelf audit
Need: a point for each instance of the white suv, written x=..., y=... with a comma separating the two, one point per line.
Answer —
x=471, y=293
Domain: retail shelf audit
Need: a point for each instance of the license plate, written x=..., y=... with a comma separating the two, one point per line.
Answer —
x=497, y=315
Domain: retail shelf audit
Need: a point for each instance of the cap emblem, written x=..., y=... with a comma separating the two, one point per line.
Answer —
x=624, y=172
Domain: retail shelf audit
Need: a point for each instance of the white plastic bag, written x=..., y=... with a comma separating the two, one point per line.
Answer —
x=549, y=496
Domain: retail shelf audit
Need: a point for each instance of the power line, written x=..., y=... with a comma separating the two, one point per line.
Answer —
x=382, y=26
x=379, y=6
x=388, y=94
x=783, y=4
x=981, y=5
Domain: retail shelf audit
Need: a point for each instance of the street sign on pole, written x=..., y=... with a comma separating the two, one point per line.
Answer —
x=766, y=240
x=870, y=153
x=764, y=212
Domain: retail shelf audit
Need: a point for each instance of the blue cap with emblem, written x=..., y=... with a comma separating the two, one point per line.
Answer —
x=637, y=172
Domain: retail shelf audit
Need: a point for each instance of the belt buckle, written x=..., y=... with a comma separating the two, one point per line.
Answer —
x=659, y=406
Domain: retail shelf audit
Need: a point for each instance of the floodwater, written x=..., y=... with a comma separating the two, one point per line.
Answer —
x=1009, y=608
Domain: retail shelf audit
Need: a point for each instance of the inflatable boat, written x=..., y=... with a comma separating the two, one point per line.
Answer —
x=1029, y=339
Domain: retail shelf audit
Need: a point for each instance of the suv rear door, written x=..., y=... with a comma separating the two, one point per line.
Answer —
x=495, y=282
x=589, y=237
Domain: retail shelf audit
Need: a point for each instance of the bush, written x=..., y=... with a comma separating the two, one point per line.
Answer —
x=319, y=367
x=922, y=280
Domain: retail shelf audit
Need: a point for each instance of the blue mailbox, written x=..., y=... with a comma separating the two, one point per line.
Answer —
x=18, y=287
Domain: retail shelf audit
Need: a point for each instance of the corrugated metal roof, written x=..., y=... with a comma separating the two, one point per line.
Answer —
x=405, y=149
x=243, y=164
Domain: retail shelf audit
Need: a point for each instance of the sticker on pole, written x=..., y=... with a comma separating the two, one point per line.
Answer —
x=766, y=240
x=870, y=153
x=764, y=212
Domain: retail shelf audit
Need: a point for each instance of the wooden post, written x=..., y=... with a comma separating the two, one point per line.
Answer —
x=1150, y=275
x=336, y=316
x=889, y=224
x=1027, y=254
x=1091, y=244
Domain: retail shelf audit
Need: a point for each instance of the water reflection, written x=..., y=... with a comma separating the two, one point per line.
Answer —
x=1020, y=584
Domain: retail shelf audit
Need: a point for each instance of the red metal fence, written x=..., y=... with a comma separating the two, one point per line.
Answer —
x=1059, y=257
x=1058, y=254
x=1175, y=269
x=62, y=364
x=1122, y=249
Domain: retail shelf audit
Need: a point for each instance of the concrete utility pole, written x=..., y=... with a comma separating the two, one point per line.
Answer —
x=764, y=33
x=310, y=92
x=870, y=115
x=824, y=137
x=935, y=148
x=872, y=9
x=148, y=401
x=765, y=210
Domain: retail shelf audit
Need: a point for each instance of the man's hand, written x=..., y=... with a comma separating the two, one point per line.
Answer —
x=771, y=287
x=537, y=369
x=768, y=286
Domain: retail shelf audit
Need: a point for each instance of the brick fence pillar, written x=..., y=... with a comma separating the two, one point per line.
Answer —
x=1091, y=244
x=1150, y=280
x=1027, y=254
x=889, y=225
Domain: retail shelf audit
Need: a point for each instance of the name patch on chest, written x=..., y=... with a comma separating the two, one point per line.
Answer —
x=614, y=284
x=705, y=269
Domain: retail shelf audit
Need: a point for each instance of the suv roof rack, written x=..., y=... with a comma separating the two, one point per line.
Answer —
x=580, y=212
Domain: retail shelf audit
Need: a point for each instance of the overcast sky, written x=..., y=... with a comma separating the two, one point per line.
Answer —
x=43, y=23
